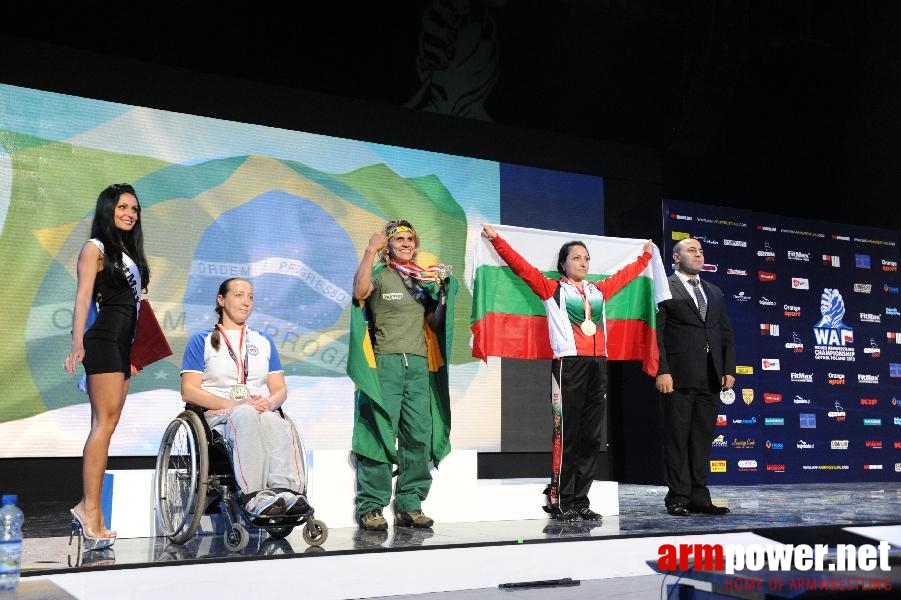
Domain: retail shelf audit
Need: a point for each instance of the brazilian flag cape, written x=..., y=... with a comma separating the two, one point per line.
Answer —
x=373, y=435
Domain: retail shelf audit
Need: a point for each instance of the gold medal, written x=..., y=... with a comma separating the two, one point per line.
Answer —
x=588, y=328
x=239, y=392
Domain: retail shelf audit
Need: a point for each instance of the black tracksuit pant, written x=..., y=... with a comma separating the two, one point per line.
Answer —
x=578, y=400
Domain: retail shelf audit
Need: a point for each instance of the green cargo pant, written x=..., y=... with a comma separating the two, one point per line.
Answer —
x=404, y=379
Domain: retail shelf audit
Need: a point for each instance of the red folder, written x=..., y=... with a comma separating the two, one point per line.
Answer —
x=150, y=343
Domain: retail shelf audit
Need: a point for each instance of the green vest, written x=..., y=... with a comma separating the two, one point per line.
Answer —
x=396, y=315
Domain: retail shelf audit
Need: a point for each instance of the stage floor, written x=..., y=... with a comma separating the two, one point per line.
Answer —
x=789, y=514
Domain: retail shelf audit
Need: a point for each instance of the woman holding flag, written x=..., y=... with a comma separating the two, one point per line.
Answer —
x=575, y=316
x=402, y=413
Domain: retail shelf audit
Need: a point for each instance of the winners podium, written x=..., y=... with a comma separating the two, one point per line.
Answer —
x=457, y=494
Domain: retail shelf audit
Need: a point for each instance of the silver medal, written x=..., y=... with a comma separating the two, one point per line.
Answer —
x=588, y=328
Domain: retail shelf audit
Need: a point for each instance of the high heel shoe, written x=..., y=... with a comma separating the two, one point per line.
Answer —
x=87, y=539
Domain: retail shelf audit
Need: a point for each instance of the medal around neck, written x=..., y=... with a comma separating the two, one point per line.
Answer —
x=239, y=392
x=588, y=327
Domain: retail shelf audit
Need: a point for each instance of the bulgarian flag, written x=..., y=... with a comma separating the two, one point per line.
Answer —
x=508, y=319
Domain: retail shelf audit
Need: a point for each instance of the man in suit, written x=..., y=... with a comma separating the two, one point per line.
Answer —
x=697, y=362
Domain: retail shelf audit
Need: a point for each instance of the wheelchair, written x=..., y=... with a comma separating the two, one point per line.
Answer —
x=194, y=477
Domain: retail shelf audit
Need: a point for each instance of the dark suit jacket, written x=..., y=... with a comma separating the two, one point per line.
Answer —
x=683, y=337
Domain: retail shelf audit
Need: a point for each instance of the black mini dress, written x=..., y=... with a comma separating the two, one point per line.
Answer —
x=107, y=344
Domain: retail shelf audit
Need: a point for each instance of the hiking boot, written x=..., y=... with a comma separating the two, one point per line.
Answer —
x=588, y=515
x=373, y=521
x=412, y=518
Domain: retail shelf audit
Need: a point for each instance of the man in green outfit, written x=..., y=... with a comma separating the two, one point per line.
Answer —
x=406, y=306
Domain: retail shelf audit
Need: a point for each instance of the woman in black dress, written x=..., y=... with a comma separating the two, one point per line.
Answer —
x=112, y=272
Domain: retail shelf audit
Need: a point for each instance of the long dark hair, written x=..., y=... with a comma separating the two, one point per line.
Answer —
x=564, y=254
x=114, y=239
x=223, y=290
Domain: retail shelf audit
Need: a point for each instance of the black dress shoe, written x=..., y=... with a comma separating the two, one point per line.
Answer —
x=708, y=509
x=678, y=510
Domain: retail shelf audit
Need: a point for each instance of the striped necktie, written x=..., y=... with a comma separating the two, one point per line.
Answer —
x=702, y=304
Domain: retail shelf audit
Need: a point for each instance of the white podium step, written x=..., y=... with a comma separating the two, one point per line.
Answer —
x=131, y=510
x=456, y=496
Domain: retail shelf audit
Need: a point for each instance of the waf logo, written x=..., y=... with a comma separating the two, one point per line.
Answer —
x=800, y=283
x=830, y=330
x=722, y=420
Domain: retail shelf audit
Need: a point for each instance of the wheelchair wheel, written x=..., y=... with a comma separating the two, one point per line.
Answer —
x=237, y=541
x=315, y=532
x=182, y=477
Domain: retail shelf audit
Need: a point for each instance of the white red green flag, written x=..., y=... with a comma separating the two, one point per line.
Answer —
x=508, y=319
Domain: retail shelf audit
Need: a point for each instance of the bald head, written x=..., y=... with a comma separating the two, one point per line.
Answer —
x=688, y=256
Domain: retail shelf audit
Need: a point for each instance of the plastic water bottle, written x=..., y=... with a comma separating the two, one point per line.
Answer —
x=11, y=519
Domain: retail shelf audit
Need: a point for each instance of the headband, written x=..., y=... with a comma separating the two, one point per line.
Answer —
x=399, y=229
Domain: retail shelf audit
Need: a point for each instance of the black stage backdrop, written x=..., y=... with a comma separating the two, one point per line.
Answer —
x=815, y=308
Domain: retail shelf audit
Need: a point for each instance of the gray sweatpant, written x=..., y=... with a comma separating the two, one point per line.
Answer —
x=265, y=449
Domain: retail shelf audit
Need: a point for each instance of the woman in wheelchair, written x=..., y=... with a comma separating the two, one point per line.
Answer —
x=235, y=375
